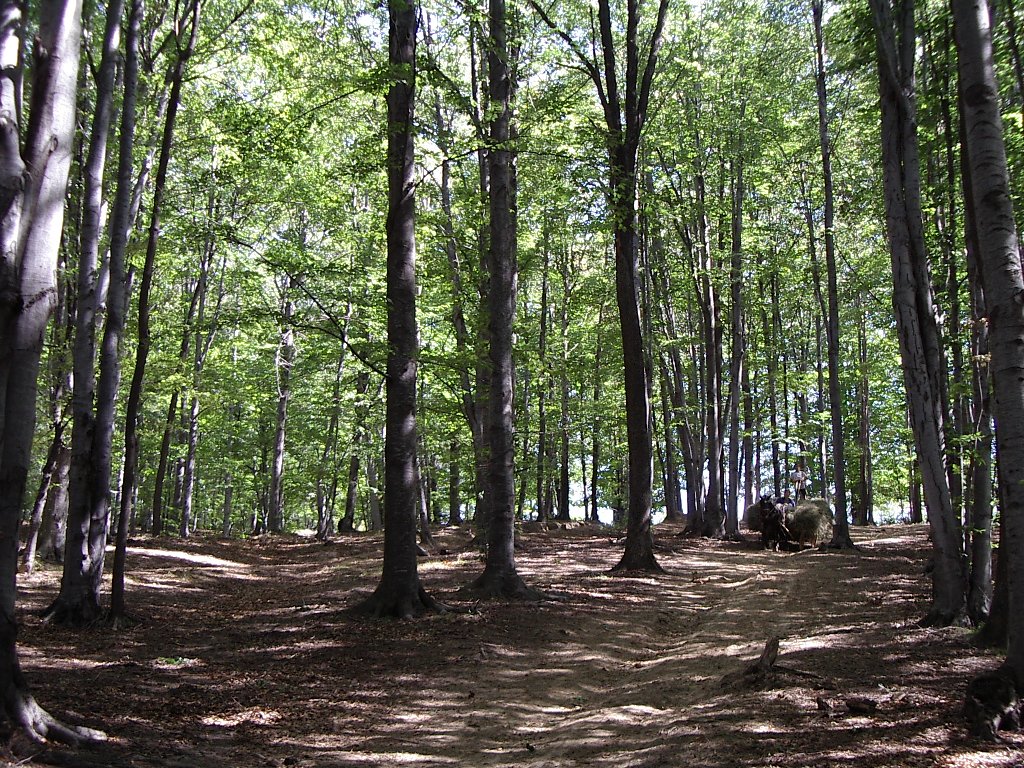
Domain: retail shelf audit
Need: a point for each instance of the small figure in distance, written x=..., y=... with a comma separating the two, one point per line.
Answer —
x=785, y=503
x=800, y=481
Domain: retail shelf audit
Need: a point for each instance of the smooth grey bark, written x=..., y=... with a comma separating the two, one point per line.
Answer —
x=841, y=529
x=33, y=182
x=399, y=592
x=43, y=494
x=53, y=531
x=1000, y=261
x=284, y=361
x=625, y=114
x=119, y=294
x=188, y=26
x=980, y=589
x=917, y=328
x=737, y=363
x=500, y=578
x=89, y=494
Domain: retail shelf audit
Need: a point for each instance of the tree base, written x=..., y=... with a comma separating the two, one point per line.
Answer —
x=637, y=564
x=398, y=604
x=938, y=617
x=20, y=708
x=493, y=584
x=67, y=613
x=992, y=704
x=840, y=541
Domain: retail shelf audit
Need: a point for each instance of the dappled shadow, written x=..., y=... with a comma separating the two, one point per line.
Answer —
x=246, y=656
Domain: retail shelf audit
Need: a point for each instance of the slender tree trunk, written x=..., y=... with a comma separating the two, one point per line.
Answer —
x=912, y=301
x=285, y=359
x=738, y=352
x=1000, y=261
x=189, y=25
x=399, y=592
x=564, y=419
x=347, y=522
x=500, y=577
x=90, y=459
x=841, y=530
x=595, y=451
x=119, y=297
x=328, y=459
x=454, y=485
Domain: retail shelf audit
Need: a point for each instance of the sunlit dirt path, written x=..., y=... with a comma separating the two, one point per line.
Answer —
x=244, y=656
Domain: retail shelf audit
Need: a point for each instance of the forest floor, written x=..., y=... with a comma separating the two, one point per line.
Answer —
x=244, y=655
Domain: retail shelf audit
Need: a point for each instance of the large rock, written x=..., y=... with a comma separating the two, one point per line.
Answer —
x=811, y=522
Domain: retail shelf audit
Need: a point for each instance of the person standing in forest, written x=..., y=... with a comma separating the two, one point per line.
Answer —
x=799, y=477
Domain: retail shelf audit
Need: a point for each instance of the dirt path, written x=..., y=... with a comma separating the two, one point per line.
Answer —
x=244, y=656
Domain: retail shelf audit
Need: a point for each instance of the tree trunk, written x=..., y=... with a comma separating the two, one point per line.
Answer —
x=1000, y=261
x=31, y=220
x=737, y=362
x=841, y=530
x=119, y=297
x=454, y=485
x=399, y=592
x=500, y=577
x=916, y=324
x=980, y=588
x=46, y=481
x=285, y=359
x=543, y=386
x=89, y=497
x=328, y=457
x=133, y=407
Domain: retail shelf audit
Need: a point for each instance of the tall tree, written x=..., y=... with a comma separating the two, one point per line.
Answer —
x=841, y=531
x=920, y=345
x=399, y=592
x=33, y=181
x=1000, y=261
x=91, y=439
x=500, y=576
x=625, y=114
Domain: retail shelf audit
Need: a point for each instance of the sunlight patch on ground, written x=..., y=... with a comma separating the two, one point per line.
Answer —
x=188, y=557
x=393, y=758
x=1009, y=758
x=251, y=716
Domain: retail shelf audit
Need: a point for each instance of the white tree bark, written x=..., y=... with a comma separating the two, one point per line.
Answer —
x=1004, y=289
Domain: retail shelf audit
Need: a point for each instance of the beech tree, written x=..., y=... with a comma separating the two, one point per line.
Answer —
x=399, y=592
x=625, y=114
x=33, y=179
x=920, y=343
x=1000, y=261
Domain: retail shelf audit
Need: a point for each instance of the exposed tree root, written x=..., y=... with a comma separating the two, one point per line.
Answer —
x=399, y=604
x=496, y=584
x=637, y=563
x=80, y=613
x=39, y=726
x=938, y=617
x=992, y=704
x=121, y=621
x=840, y=541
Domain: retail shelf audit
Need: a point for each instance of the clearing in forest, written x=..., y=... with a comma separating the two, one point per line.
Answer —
x=244, y=656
